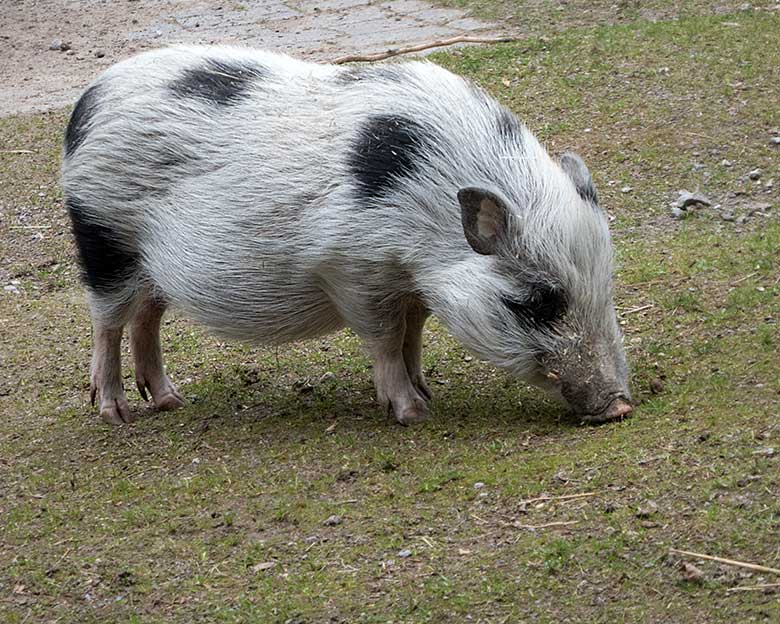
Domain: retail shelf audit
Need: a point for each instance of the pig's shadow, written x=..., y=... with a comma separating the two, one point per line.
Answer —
x=466, y=405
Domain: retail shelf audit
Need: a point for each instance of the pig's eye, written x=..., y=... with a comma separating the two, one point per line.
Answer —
x=544, y=306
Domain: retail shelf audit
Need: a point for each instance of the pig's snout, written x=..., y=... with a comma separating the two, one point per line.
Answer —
x=618, y=409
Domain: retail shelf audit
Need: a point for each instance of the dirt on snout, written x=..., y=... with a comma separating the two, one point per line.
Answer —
x=53, y=48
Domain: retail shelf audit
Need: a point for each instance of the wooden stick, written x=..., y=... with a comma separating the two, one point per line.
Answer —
x=741, y=564
x=742, y=279
x=564, y=497
x=639, y=309
x=381, y=56
x=533, y=527
x=754, y=587
x=16, y=152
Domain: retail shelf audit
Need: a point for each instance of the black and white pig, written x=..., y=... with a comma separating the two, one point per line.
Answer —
x=275, y=200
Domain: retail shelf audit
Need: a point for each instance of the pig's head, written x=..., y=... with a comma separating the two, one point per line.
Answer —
x=545, y=295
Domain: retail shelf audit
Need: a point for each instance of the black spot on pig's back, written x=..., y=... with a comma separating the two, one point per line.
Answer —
x=81, y=118
x=387, y=149
x=106, y=260
x=223, y=83
x=509, y=127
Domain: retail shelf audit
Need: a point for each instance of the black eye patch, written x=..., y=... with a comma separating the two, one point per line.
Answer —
x=545, y=305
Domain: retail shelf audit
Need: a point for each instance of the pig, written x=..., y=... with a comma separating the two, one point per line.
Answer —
x=275, y=200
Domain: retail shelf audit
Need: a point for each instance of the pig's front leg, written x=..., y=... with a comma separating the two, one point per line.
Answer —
x=394, y=389
x=415, y=320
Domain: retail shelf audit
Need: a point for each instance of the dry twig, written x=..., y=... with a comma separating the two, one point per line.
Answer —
x=741, y=564
x=638, y=309
x=547, y=525
x=550, y=498
x=743, y=278
x=381, y=56
x=761, y=587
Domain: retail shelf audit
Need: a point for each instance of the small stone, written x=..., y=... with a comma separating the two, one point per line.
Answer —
x=56, y=45
x=727, y=216
x=479, y=485
x=745, y=6
x=677, y=213
x=686, y=199
x=11, y=289
x=775, y=140
x=99, y=53
x=691, y=573
x=656, y=385
x=741, y=501
x=726, y=163
x=327, y=377
x=626, y=189
x=333, y=521
x=265, y=565
x=405, y=553
x=647, y=509
x=609, y=508
x=758, y=207
x=755, y=174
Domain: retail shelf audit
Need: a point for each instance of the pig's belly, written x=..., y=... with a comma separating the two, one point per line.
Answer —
x=265, y=298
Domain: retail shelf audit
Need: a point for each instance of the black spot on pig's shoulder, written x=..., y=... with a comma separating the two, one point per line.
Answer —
x=509, y=127
x=223, y=83
x=387, y=149
x=81, y=118
x=106, y=260
x=543, y=307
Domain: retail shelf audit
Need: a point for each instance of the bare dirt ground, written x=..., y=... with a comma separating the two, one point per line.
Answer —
x=93, y=34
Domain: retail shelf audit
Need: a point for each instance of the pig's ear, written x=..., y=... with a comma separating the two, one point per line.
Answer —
x=575, y=168
x=485, y=218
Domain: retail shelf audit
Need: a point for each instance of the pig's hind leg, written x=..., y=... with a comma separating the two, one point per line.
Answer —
x=147, y=354
x=109, y=314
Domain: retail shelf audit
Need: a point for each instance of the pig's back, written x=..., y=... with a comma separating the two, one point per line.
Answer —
x=238, y=175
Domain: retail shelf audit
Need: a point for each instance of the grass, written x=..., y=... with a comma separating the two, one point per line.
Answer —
x=216, y=512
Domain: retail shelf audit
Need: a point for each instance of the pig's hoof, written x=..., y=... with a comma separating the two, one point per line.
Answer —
x=165, y=396
x=415, y=413
x=116, y=412
x=422, y=387
x=169, y=402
